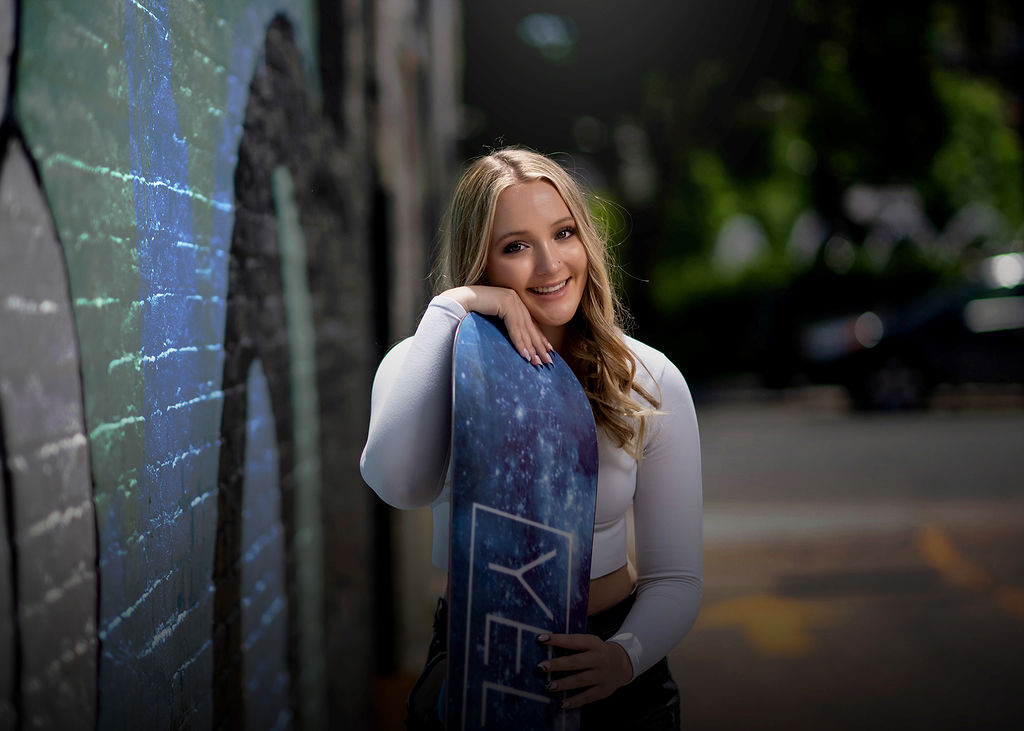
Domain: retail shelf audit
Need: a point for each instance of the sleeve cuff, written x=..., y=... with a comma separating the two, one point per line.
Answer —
x=631, y=644
x=449, y=305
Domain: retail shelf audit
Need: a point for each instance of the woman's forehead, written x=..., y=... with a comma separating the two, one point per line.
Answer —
x=536, y=203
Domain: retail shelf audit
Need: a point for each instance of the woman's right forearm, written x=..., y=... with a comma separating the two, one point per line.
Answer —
x=410, y=414
x=406, y=450
x=504, y=303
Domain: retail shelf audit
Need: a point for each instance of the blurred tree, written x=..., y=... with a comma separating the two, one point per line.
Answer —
x=753, y=146
x=980, y=160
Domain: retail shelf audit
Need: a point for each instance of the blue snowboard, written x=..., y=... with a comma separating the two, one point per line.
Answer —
x=524, y=486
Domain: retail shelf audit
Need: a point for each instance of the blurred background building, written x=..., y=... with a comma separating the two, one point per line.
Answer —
x=216, y=216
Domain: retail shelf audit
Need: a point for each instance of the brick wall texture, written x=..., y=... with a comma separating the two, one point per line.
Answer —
x=186, y=338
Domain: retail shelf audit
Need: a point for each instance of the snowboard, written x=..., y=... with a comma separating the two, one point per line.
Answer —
x=524, y=488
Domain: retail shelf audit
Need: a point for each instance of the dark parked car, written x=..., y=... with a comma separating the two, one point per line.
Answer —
x=893, y=358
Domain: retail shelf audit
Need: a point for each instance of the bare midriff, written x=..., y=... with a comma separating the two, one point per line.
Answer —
x=610, y=589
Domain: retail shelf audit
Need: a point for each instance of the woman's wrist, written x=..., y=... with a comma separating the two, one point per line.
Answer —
x=446, y=304
x=483, y=299
x=465, y=296
x=527, y=337
x=623, y=663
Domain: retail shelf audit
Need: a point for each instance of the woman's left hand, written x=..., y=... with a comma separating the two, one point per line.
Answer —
x=600, y=667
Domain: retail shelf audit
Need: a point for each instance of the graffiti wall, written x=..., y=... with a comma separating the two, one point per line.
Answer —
x=187, y=309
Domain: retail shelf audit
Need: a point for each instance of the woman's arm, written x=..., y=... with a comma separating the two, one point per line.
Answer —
x=667, y=510
x=406, y=450
x=667, y=515
x=410, y=411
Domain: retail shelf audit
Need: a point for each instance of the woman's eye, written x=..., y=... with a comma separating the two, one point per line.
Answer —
x=513, y=247
x=565, y=232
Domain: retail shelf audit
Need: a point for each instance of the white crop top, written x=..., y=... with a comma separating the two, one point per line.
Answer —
x=405, y=462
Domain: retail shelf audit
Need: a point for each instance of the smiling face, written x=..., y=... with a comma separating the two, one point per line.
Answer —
x=535, y=250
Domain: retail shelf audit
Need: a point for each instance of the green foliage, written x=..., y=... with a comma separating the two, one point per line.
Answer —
x=612, y=223
x=713, y=195
x=980, y=159
x=887, y=97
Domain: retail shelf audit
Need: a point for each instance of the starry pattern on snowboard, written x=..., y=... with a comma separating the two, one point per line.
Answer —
x=524, y=486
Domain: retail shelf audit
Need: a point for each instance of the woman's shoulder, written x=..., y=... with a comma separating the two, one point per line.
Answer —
x=653, y=364
x=392, y=365
x=659, y=376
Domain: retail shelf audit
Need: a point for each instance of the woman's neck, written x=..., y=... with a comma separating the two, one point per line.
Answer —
x=556, y=335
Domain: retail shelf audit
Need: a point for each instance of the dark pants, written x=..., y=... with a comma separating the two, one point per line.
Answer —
x=649, y=703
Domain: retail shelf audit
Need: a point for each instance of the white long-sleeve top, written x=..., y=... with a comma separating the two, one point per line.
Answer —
x=406, y=456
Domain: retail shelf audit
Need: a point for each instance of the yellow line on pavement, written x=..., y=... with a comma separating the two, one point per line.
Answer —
x=775, y=626
x=939, y=552
x=1011, y=598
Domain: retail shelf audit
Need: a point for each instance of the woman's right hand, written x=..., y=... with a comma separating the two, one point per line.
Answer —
x=502, y=302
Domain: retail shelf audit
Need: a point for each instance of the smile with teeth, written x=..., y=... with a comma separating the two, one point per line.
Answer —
x=550, y=290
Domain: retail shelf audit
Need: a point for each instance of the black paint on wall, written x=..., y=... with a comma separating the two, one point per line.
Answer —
x=332, y=50
x=385, y=621
x=276, y=123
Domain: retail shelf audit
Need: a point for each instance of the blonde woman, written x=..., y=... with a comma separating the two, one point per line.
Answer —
x=518, y=242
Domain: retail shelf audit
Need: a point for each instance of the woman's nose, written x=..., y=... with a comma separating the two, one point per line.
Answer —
x=547, y=258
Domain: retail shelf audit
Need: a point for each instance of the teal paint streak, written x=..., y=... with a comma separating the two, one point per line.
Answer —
x=308, y=546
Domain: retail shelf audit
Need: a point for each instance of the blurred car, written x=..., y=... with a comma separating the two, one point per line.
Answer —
x=893, y=358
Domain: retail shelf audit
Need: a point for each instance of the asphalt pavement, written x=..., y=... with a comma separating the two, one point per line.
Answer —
x=861, y=571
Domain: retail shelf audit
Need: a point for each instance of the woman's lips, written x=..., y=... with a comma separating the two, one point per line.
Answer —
x=547, y=291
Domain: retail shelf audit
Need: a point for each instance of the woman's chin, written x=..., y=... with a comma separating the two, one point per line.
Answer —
x=554, y=320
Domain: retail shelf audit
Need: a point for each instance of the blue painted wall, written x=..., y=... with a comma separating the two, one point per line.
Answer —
x=185, y=251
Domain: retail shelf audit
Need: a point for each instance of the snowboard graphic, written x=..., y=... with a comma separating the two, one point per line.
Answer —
x=524, y=486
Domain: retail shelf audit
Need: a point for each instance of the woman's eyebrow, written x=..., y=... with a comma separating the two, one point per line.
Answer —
x=559, y=222
x=511, y=233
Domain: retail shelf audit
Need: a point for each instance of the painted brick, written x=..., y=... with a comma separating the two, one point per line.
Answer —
x=154, y=355
x=6, y=49
x=264, y=612
x=9, y=680
x=45, y=453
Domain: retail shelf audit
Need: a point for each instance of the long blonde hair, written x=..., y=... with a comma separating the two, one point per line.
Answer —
x=594, y=349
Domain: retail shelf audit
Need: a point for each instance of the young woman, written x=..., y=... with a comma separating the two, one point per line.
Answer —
x=518, y=242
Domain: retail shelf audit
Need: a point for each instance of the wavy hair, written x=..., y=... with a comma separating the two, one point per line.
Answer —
x=594, y=348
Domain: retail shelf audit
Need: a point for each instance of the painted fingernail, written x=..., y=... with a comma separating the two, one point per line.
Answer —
x=566, y=705
x=543, y=638
x=547, y=359
x=525, y=353
x=551, y=686
x=543, y=667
